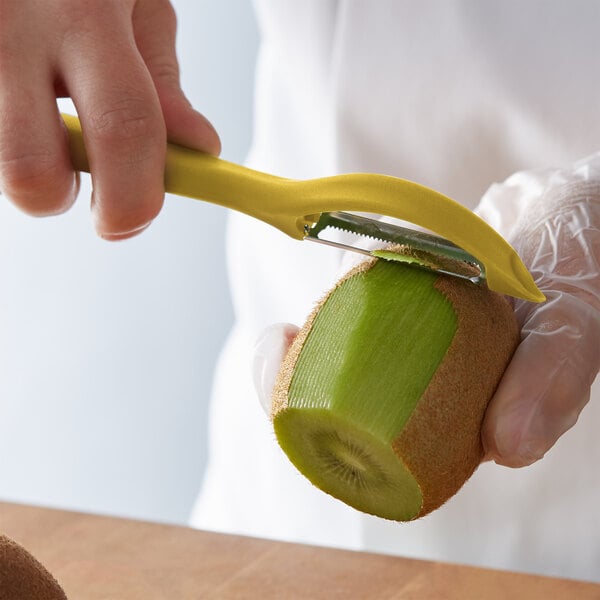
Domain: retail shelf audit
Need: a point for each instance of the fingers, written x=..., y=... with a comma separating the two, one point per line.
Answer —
x=35, y=170
x=121, y=119
x=546, y=385
x=117, y=62
x=155, y=27
x=269, y=351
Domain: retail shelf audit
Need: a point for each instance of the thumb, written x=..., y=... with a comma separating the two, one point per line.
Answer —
x=155, y=27
x=547, y=383
x=269, y=351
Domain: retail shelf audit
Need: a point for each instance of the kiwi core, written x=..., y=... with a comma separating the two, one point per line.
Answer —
x=349, y=463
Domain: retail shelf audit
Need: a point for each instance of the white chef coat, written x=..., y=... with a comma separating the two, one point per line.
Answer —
x=454, y=94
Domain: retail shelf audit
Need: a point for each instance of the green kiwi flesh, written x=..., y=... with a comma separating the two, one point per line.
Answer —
x=380, y=399
x=348, y=462
x=342, y=408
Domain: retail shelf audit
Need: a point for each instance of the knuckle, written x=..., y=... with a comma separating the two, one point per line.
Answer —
x=130, y=120
x=165, y=70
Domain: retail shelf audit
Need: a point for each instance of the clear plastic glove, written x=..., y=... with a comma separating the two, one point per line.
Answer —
x=116, y=60
x=552, y=218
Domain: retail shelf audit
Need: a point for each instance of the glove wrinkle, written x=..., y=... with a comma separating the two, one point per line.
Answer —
x=552, y=218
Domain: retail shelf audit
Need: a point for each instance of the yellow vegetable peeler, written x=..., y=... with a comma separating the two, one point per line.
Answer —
x=468, y=248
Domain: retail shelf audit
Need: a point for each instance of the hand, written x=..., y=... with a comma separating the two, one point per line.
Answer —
x=557, y=234
x=116, y=60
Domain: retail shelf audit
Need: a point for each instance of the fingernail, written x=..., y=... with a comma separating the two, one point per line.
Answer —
x=124, y=235
x=72, y=196
x=213, y=140
x=524, y=454
x=530, y=451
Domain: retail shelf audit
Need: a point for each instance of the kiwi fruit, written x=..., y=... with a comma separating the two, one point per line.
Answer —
x=380, y=398
x=23, y=577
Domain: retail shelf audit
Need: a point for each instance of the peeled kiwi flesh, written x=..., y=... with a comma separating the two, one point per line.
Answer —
x=380, y=399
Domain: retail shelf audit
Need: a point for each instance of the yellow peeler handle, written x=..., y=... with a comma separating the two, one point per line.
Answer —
x=291, y=205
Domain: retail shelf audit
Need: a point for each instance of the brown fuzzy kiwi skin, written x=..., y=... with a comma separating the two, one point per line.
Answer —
x=22, y=577
x=458, y=394
x=441, y=442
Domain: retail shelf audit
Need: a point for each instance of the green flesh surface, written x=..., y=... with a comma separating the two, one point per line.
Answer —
x=372, y=350
x=348, y=463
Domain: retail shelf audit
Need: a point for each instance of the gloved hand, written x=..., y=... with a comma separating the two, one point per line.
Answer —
x=117, y=61
x=552, y=218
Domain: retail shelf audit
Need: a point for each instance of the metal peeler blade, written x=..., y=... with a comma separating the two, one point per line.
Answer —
x=401, y=244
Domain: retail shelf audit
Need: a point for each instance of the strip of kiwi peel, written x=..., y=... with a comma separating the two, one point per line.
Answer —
x=380, y=398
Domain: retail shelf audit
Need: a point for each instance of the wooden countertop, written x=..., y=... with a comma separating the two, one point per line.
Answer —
x=96, y=557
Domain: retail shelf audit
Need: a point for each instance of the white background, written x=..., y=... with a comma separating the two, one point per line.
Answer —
x=107, y=349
